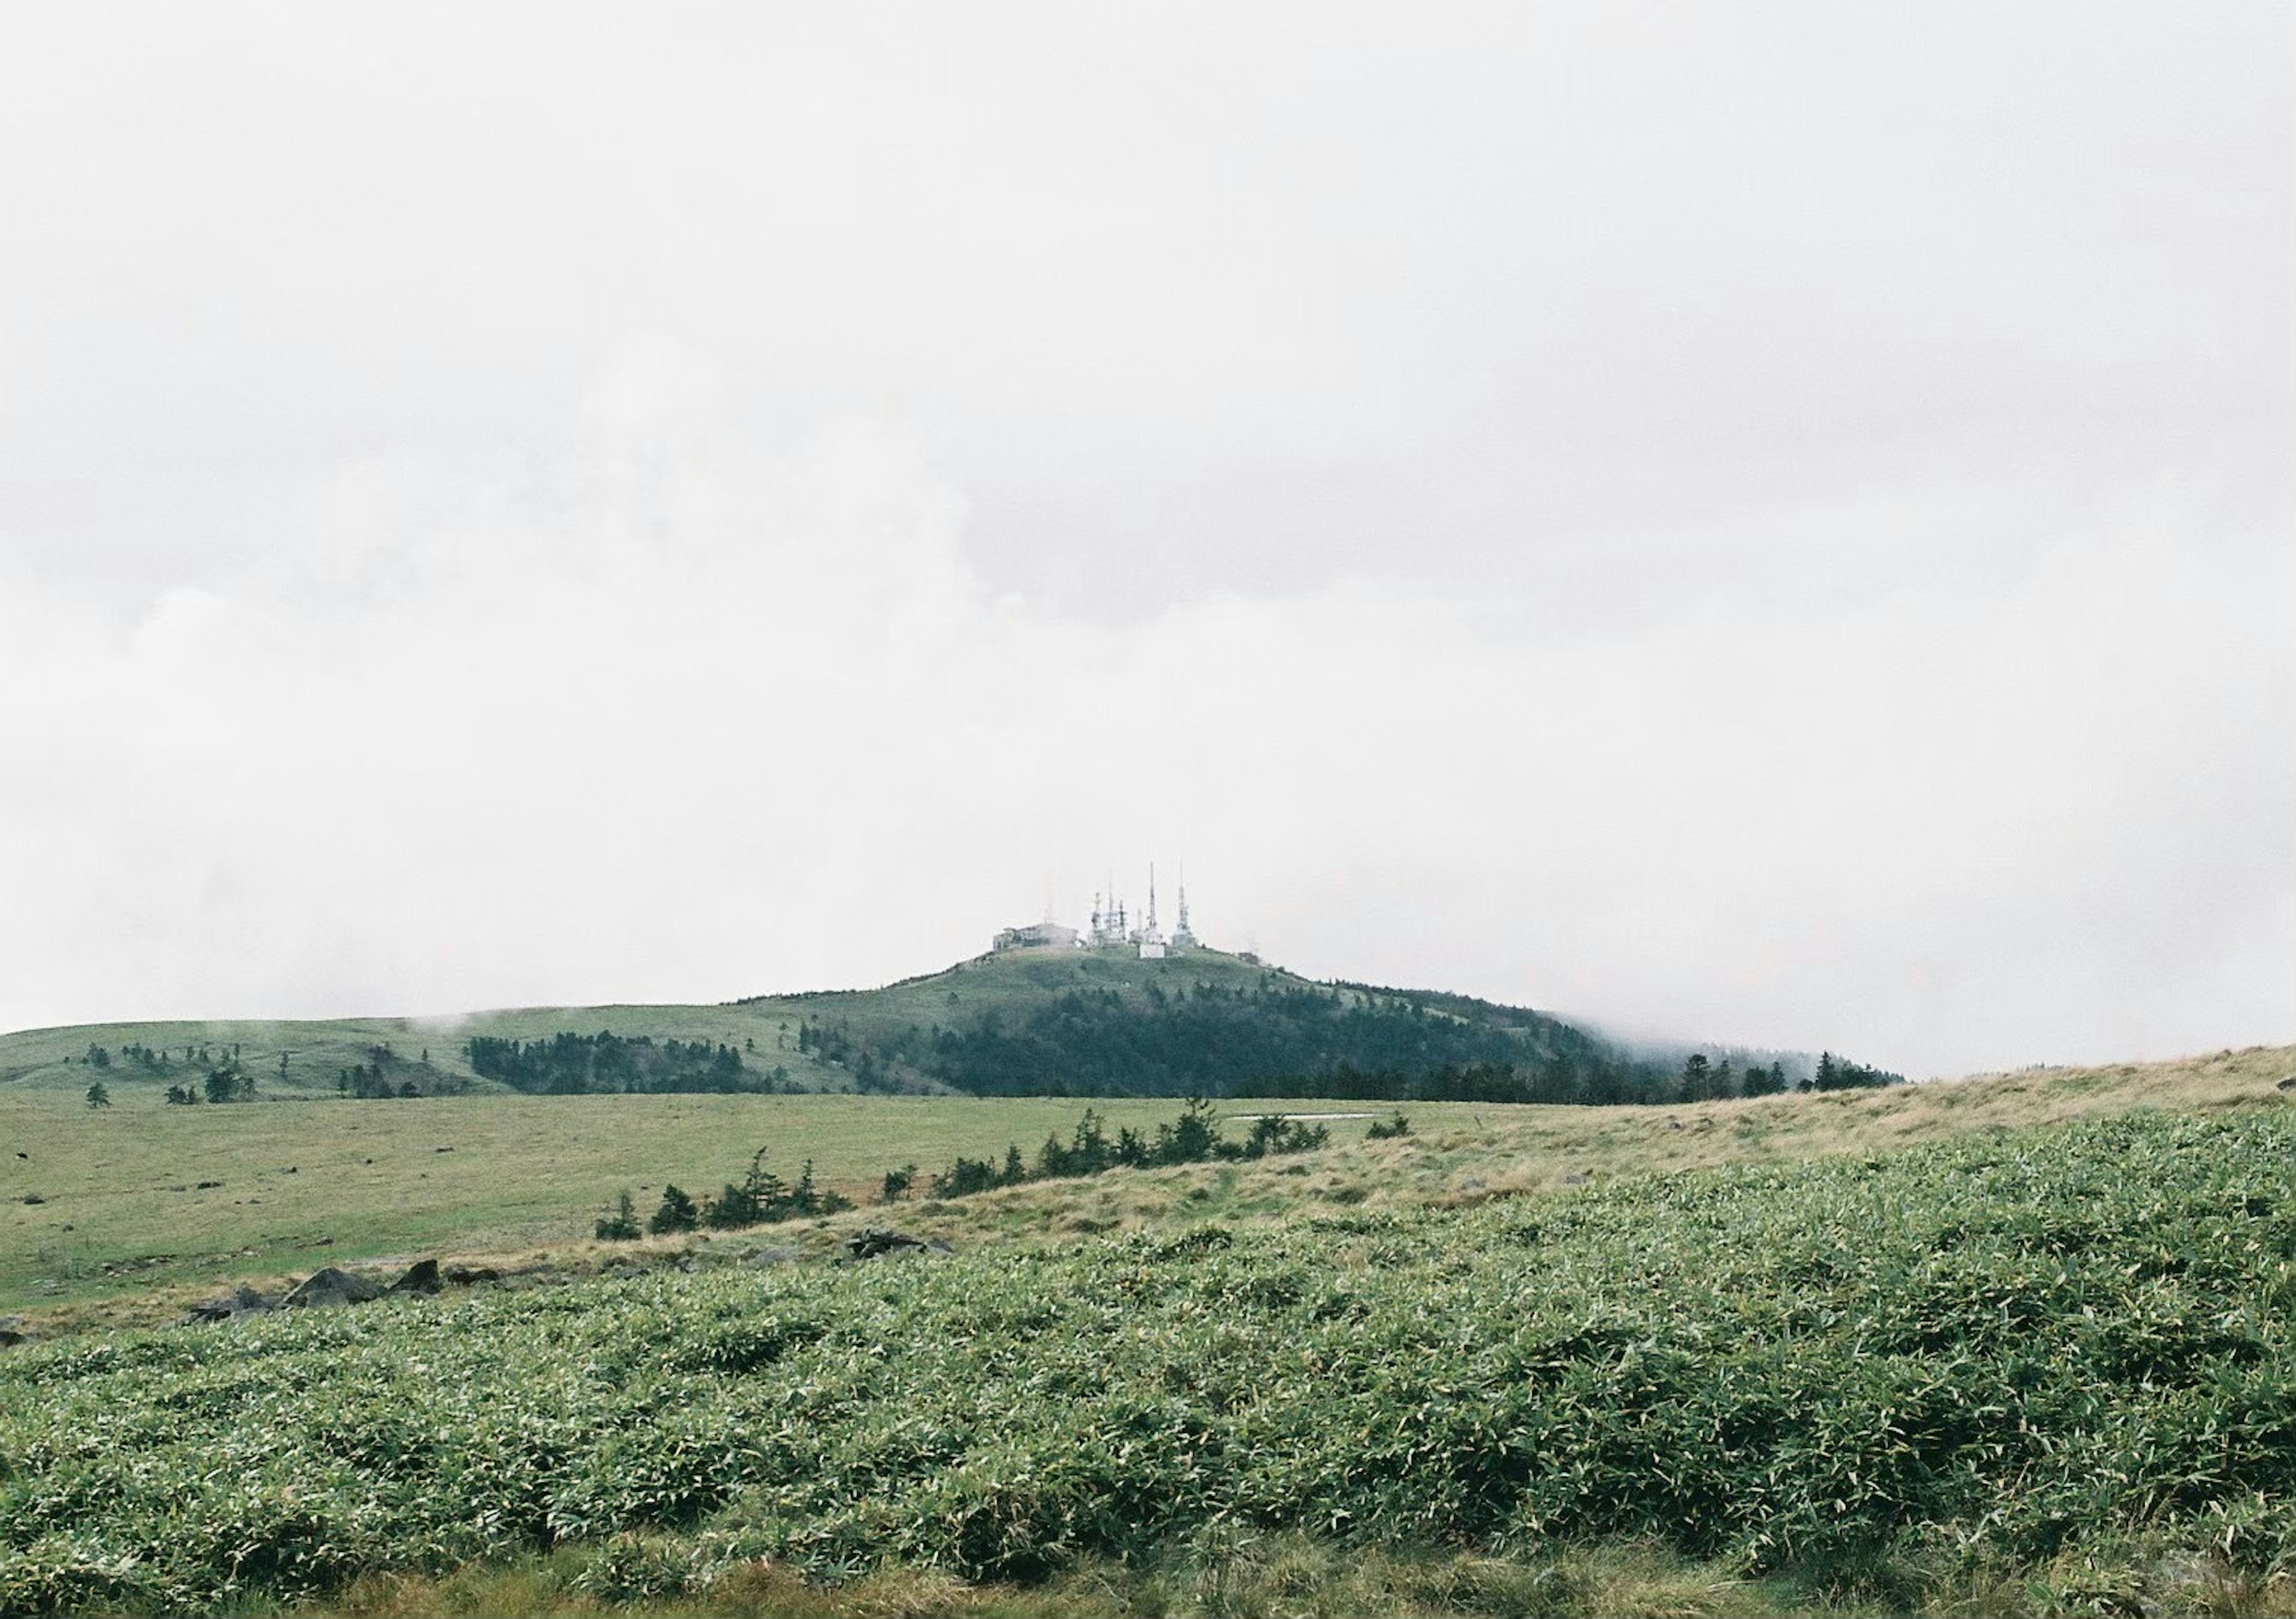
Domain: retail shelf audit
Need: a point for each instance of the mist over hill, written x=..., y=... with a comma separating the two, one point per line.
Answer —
x=1022, y=1022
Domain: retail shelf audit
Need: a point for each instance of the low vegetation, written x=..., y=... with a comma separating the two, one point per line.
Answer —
x=2042, y=1370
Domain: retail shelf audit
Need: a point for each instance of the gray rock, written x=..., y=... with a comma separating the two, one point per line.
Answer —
x=767, y=1259
x=242, y=1300
x=877, y=1242
x=471, y=1276
x=421, y=1277
x=326, y=1288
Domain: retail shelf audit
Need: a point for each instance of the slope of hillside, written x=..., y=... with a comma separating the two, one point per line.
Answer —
x=123, y=1232
x=1036, y=1022
x=2040, y=1371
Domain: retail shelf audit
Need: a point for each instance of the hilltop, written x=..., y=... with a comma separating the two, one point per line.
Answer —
x=1018, y=1022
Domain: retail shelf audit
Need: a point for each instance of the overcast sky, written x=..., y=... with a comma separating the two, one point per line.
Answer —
x=1767, y=523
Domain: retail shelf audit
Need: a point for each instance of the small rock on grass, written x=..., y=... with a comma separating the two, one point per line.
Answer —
x=323, y=1289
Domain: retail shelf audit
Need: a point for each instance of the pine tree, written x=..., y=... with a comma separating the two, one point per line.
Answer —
x=622, y=1224
x=676, y=1212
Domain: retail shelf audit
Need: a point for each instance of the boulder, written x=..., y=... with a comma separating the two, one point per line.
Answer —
x=242, y=1300
x=877, y=1242
x=326, y=1288
x=767, y=1259
x=421, y=1277
x=471, y=1276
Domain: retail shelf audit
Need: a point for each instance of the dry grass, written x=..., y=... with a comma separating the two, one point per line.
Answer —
x=1458, y=1153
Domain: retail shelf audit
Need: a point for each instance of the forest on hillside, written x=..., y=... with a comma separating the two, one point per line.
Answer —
x=567, y=1064
x=1287, y=1038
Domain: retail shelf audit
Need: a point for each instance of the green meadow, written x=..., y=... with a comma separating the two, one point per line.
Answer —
x=300, y=1184
x=2038, y=1370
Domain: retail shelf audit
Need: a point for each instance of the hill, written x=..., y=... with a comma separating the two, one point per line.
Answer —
x=1029, y=1022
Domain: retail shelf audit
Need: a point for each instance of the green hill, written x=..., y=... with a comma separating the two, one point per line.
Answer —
x=1029, y=1022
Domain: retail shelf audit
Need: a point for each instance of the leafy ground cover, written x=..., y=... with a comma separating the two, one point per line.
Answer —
x=2011, y=1357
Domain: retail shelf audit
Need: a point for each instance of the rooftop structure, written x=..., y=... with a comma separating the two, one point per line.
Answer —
x=1110, y=928
x=1035, y=936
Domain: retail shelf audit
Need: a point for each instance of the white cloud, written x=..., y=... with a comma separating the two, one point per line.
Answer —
x=1769, y=524
x=690, y=721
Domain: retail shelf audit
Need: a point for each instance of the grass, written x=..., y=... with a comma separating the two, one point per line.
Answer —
x=766, y=1026
x=2040, y=1371
x=303, y=1184
x=528, y=1174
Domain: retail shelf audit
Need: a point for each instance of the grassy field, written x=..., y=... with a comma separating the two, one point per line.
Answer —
x=2038, y=1369
x=124, y=1234
x=302, y=1184
x=765, y=1027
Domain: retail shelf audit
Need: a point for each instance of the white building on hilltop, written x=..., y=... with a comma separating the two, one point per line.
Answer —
x=1109, y=928
x=1035, y=936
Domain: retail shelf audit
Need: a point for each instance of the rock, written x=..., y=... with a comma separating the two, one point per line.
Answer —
x=767, y=1259
x=206, y=1186
x=471, y=1276
x=34, y=1197
x=10, y=1337
x=325, y=1288
x=421, y=1277
x=1577, y=1177
x=2288, y=1084
x=875, y=1242
x=242, y=1300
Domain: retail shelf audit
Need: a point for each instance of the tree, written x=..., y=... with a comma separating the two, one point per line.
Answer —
x=897, y=1182
x=97, y=1096
x=622, y=1224
x=98, y=1058
x=182, y=1096
x=1697, y=1079
x=676, y=1213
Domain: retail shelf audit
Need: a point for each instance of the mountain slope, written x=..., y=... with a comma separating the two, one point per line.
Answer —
x=1028, y=1022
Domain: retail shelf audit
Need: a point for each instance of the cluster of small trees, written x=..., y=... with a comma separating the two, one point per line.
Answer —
x=228, y=1082
x=1703, y=1080
x=1194, y=1138
x=762, y=1198
x=1840, y=1074
x=567, y=1064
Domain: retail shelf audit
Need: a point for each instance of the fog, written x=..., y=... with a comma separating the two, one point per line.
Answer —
x=1767, y=525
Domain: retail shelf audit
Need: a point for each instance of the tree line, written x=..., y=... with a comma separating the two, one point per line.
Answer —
x=567, y=1064
x=763, y=1198
x=1194, y=1138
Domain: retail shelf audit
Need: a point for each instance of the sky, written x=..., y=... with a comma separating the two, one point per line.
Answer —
x=1758, y=523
